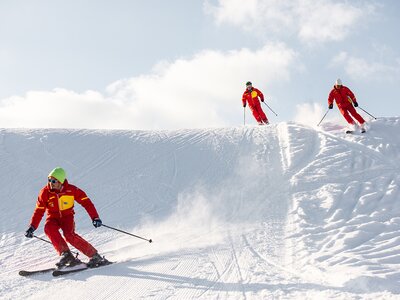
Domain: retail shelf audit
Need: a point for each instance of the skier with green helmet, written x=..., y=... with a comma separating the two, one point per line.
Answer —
x=57, y=198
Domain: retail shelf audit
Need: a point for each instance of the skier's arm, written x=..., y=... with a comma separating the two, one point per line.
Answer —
x=330, y=99
x=38, y=212
x=260, y=94
x=351, y=95
x=83, y=199
x=244, y=99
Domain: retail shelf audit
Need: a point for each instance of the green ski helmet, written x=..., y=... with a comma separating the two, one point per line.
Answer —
x=59, y=174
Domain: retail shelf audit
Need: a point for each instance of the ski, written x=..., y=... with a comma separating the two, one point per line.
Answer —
x=35, y=272
x=68, y=270
x=63, y=271
x=82, y=267
x=349, y=131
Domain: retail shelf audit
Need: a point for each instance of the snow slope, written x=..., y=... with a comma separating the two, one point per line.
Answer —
x=278, y=212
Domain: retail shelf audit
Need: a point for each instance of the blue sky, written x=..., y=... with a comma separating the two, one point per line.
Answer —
x=183, y=64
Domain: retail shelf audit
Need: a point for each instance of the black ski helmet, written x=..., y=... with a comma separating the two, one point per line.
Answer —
x=248, y=83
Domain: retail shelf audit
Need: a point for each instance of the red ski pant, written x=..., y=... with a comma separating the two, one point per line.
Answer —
x=67, y=225
x=257, y=111
x=346, y=111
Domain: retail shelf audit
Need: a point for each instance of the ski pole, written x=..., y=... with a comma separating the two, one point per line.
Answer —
x=269, y=108
x=323, y=117
x=244, y=116
x=39, y=238
x=367, y=112
x=139, y=237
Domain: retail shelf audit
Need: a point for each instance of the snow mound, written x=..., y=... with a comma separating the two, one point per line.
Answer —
x=278, y=212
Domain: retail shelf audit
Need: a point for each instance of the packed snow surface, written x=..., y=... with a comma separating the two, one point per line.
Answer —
x=283, y=211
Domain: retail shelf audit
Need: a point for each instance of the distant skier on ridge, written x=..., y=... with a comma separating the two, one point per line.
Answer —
x=57, y=198
x=251, y=96
x=345, y=100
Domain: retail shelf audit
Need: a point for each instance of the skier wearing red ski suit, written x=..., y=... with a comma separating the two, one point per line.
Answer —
x=344, y=100
x=59, y=205
x=251, y=96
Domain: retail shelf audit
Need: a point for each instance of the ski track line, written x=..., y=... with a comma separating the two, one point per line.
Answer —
x=195, y=138
x=3, y=147
x=319, y=159
x=237, y=265
x=297, y=275
x=292, y=163
x=220, y=275
x=314, y=148
x=174, y=172
x=379, y=157
x=99, y=162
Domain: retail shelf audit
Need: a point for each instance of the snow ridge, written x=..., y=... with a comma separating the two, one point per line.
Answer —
x=277, y=212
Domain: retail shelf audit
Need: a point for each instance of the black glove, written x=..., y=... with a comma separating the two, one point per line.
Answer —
x=97, y=222
x=330, y=106
x=29, y=232
x=244, y=105
x=355, y=103
x=262, y=100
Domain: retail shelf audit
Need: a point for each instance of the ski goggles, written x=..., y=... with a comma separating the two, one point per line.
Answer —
x=51, y=180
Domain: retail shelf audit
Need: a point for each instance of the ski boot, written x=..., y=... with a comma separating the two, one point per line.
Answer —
x=362, y=128
x=67, y=260
x=97, y=261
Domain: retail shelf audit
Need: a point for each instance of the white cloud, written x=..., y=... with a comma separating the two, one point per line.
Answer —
x=203, y=91
x=60, y=108
x=360, y=68
x=311, y=20
x=327, y=20
x=267, y=15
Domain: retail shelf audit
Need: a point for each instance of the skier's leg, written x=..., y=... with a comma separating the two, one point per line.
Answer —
x=68, y=228
x=356, y=115
x=261, y=114
x=256, y=115
x=347, y=116
x=51, y=229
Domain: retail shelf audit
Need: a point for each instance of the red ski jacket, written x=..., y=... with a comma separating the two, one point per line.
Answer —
x=343, y=96
x=61, y=203
x=252, y=96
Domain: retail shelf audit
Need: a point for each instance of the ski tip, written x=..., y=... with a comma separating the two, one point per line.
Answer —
x=35, y=272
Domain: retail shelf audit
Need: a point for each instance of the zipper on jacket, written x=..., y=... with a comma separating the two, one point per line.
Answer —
x=59, y=208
